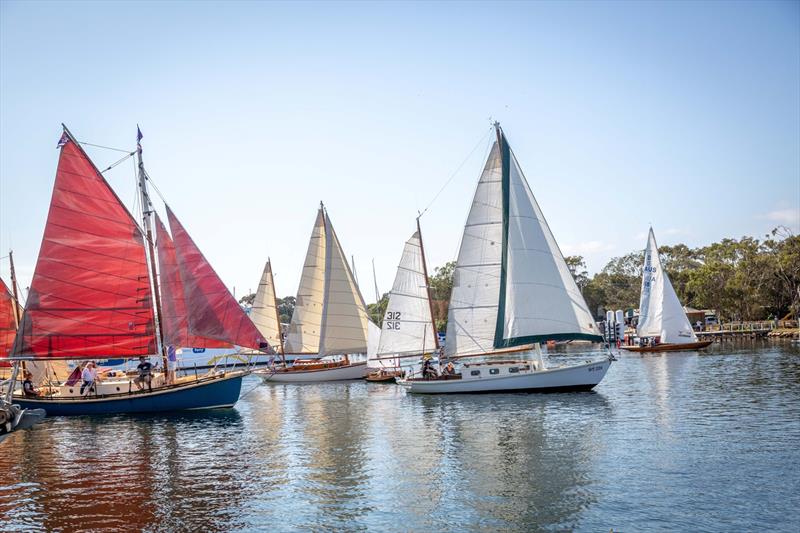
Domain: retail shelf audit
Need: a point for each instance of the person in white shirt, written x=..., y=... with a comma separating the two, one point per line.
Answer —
x=89, y=376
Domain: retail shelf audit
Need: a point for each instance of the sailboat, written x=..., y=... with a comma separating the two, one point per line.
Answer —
x=330, y=321
x=96, y=295
x=408, y=331
x=512, y=291
x=661, y=316
x=264, y=312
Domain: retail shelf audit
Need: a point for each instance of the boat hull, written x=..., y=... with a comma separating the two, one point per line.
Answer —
x=583, y=377
x=341, y=373
x=212, y=393
x=669, y=347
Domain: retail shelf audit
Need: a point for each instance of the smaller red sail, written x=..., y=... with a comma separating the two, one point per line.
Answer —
x=213, y=312
x=8, y=322
x=90, y=294
x=174, y=318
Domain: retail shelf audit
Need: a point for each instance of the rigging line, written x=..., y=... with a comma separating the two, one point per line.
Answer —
x=105, y=147
x=117, y=162
x=453, y=175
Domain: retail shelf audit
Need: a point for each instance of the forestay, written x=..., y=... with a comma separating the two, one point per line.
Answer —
x=407, y=327
x=660, y=311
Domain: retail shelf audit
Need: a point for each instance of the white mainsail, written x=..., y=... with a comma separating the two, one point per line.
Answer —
x=511, y=284
x=407, y=327
x=306, y=324
x=660, y=311
x=264, y=312
x=330, y=316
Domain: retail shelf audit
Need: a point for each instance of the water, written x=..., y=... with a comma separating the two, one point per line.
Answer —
x=670, y=442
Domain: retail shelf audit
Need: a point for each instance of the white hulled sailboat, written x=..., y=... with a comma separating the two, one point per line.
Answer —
x=407, y=331
x=512, y=291
x=330, y=321
x=662, y=319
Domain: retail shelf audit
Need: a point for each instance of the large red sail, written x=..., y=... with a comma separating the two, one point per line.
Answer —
x=90, y=295
x=213, y=312
x=8, y=321
x=174, y=318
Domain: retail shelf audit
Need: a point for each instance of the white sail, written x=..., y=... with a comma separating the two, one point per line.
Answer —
x=472, y=315
x=660, y=311
x=264, y=312
x=542, y=300
x=407, y=327
x=344, y=315
x=511, y=284
x=373, y=341
x=306, y=325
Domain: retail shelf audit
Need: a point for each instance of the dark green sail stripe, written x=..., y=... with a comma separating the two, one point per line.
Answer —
x=530, y=339
x=505, y=158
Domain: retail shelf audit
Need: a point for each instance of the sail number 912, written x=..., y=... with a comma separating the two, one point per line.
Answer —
x=392, y=320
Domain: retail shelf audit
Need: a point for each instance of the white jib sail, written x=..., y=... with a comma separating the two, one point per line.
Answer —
x=660, y=311
x=306, y=325
x=264, y=312
x=472, y=315
x=541, y=296
x=344, y=315
x=407, y=327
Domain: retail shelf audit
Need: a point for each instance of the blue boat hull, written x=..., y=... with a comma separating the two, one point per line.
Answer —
x=210, y=394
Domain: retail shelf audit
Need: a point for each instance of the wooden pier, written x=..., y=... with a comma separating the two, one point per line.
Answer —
x=764, y=328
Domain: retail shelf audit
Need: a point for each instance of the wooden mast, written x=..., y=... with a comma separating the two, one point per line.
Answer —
x=147, y=211
x=277, y=313
x=17, y=318
x=427, y=286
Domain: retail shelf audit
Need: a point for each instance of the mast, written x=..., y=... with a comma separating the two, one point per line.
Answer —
x=277, y=314
x=375, y=280
x=147, y=211
x=17, y=318
x=427, y=288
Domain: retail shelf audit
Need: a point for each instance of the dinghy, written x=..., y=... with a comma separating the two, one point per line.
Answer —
x=407, y=331
x=662, y=319
x=95, y=295
x=512, y=291
x=330, y=321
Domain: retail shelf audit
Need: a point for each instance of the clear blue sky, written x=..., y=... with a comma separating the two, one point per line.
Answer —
x=685, y=115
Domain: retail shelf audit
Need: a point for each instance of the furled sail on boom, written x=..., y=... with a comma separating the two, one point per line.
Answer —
x=90, y=294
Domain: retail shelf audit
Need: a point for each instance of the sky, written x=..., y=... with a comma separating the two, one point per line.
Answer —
x=683, y=115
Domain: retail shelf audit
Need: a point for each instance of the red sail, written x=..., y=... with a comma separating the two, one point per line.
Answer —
x=8, y=322
x=174, y=319
x=90, y=295
x=214, y=313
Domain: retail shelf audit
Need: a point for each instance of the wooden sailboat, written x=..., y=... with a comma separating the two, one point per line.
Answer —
x=408, y=330
x=330, y=321
x=662, y=319
x=265, y=314
x=95, y=295
x=512, y=291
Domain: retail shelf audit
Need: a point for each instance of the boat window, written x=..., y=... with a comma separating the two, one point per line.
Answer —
x=513, y=370
x=475, y=373
x=494, y=370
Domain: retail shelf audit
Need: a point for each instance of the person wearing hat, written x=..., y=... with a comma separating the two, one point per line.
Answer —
x=145, y=369
x=428, y=372
x=27, y=386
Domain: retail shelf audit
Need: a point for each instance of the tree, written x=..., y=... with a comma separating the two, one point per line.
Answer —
x=577, y=266
x=377, y=310
x=441, y=285
x=286, y=308
x=247, y=299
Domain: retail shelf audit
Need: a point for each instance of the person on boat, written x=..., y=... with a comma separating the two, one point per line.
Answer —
x=145, y=369
x=449, y=369
x=428, y=372
x=89, y=377
x=27, y=386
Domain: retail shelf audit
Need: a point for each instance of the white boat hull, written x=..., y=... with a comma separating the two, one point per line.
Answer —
x=342, y=373
x=560, y=379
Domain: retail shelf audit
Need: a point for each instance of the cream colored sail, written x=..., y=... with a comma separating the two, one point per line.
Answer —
x=511, y=285
x=344, y=315
x=660, y=311
x=407, y=327
x=306, y=325
x=264, y=312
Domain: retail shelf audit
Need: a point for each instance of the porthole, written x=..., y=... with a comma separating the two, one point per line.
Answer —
x=70, y=391
x=117, y=389
x=475, y=373
x=513, y=370
x=494, y=370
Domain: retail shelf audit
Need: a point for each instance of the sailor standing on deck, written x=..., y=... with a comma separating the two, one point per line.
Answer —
x=89, y=376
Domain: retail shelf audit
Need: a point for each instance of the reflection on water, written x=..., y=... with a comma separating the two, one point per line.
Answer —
x=669, y=441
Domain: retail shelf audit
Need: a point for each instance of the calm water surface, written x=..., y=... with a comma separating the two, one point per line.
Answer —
x=687, y=442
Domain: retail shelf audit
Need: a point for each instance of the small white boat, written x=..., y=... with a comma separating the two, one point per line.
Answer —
x=512, y=290
x=330, y=321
